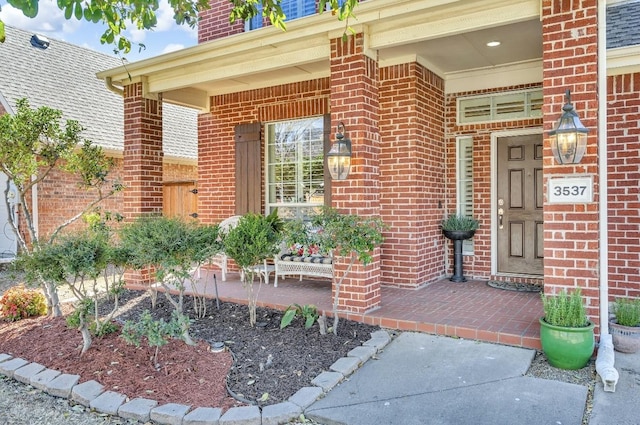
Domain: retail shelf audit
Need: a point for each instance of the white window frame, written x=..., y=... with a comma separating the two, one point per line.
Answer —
x=316, y=185
x=464, y=183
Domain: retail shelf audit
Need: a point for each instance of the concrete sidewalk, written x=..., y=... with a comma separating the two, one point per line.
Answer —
x=423, y=379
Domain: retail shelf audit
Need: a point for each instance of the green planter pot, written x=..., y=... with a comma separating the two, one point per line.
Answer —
x=567, y=348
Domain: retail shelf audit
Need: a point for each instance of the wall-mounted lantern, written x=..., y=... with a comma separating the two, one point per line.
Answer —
x=339, y=156
x=569, y=138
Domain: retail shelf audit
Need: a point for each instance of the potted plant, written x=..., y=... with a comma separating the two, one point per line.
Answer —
x=625, y=327
x=458, y=228
x=566, y=333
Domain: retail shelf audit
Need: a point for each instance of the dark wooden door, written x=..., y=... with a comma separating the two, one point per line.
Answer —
x=520, y=205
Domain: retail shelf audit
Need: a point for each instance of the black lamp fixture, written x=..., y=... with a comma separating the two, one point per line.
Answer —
x=569, y=138
x=339, y=156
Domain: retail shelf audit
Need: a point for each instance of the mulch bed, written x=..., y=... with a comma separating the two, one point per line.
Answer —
x=261, y=365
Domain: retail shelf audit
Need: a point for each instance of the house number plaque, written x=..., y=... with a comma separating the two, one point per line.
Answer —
x=570, y=190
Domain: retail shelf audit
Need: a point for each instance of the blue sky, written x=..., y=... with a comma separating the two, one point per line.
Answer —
x=50, y=22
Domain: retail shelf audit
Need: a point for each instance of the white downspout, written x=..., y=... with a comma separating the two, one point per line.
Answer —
x=34, y=208
x=606, y=358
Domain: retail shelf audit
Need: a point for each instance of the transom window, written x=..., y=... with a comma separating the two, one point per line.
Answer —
x=295, y=167
x=500, y=106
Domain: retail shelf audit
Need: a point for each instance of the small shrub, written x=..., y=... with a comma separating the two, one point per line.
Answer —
x=308, y=311
x=156, y=332
x=460, y=222
x=565, y=310
x=627, y=312
x=19, y=303
x=105, y=328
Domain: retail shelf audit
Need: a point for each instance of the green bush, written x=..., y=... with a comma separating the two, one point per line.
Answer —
x=627, y=312
x=19, y=303
x=460, y=222
x=565, y=310
x=156, y=332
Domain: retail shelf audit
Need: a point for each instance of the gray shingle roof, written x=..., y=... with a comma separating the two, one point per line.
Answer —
x=623, y=24
x=63, y=77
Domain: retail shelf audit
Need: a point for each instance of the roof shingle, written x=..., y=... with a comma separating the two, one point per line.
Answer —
x=63, y=76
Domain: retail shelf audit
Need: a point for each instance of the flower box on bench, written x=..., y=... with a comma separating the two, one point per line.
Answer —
x=294, y=264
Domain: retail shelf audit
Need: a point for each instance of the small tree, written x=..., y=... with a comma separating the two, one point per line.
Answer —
x=83, y=261
x=253, y=240
x=350, y=236
x=32, y=145
x=172, y=248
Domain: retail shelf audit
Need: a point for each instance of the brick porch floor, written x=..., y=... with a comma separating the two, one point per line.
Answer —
x=471, y=310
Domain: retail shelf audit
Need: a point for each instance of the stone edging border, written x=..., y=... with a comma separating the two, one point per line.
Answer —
x=92, y=394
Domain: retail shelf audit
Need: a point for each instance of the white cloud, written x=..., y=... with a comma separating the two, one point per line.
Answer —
x=49, y=21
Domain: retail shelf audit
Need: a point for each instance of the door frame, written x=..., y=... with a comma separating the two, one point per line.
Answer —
x=494, y=192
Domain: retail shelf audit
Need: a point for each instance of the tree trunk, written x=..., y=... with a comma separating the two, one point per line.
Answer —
x=53, y=301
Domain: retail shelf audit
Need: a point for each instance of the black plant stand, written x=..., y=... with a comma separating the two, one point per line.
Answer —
x=457, y=236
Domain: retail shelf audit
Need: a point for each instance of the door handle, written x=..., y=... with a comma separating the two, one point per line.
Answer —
x=500, y=217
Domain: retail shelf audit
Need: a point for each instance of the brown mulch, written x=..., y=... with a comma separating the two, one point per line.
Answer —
x=261, y=365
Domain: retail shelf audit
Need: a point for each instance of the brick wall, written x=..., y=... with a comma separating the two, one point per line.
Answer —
x=60, y=198
x=479, y=264
x=623, y=143
x=412, y=174
x=214, y=23
x=571, y=232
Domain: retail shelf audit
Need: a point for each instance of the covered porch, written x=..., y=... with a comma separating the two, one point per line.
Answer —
x=471, y=310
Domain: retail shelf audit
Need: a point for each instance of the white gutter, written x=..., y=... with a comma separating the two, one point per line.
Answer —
x=606, y=358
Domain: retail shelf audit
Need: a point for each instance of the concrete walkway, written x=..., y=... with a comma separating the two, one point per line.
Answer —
x=422, y=379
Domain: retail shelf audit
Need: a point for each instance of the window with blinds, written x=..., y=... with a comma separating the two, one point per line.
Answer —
x=295, y=167
x=464, y=172
x=500, y=107
x=292, y=9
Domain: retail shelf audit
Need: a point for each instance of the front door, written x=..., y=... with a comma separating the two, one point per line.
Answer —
x=520, y=205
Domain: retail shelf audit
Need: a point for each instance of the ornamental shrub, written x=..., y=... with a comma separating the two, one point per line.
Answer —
x=19, y=303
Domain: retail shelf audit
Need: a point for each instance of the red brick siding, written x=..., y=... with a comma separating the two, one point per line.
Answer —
x=571, y=232
x=479, y=264
x=214, y=23
x=216, y=150
x=354, y=101
x=60, y=198
x=623, y=144
x=411, y=174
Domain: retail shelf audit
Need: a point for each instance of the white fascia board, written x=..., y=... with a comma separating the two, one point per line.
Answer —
x=623, y=60
x=190, y=76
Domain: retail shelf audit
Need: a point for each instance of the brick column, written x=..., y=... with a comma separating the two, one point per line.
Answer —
x=142, y=160
x=354, y=101
x=571, y=231
x=411, y=173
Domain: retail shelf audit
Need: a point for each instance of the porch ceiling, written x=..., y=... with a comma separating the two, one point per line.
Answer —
x=447, y=36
